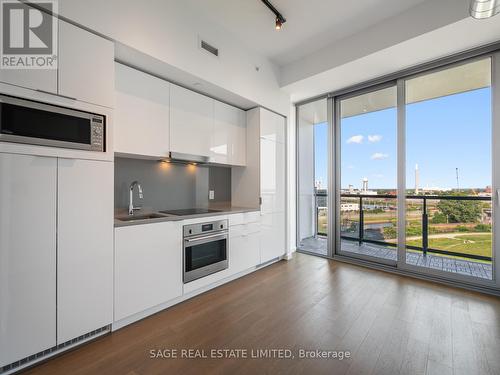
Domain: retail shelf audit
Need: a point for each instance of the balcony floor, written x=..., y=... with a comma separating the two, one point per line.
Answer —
x=318, y=245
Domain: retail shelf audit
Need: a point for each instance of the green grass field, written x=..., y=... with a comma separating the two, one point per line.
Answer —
x=468, y=244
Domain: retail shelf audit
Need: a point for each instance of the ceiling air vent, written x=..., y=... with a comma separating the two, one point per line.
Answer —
x=209, y=48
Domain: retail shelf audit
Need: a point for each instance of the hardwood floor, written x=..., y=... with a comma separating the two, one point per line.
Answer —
x=390, y=324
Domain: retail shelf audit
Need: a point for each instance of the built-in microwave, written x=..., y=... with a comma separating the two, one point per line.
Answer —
x=30, y=122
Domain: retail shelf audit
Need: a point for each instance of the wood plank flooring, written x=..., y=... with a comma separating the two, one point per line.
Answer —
x=390, y=324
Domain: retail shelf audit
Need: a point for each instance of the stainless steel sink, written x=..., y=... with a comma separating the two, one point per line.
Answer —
x=141, y=217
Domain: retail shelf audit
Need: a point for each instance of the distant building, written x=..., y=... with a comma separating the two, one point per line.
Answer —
x=345, y=207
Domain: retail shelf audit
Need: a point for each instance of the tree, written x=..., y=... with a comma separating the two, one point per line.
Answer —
x=438, y=218
x=459, y=211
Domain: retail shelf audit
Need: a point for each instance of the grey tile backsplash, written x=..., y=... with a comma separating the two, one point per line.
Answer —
x=170, y=186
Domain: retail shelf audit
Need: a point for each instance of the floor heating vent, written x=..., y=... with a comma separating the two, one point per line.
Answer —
x=32, y=359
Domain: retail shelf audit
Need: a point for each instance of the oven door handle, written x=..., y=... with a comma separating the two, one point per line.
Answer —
x=222, y=236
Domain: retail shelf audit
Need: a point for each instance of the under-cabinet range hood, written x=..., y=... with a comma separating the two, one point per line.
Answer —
x=179, y=157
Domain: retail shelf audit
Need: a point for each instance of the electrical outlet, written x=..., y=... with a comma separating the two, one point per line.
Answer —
x=211, y=194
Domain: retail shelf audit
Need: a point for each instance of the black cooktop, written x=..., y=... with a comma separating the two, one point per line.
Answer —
x=189, y=211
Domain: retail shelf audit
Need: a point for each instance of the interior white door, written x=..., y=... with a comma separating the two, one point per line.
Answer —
x=27, y=255
x=191, y=121
x=84, y=247
x=141, y=121
x=86, y=65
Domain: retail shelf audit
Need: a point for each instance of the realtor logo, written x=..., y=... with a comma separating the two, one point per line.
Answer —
x=29, y=35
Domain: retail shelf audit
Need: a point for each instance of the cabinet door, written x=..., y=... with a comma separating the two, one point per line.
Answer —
x=148, y=267
x=272, y=180
x=272, y=126
x=27, y=255
x=84, y=247
x=229, y=135
x=272, y=236
x=36, y=79
x=244, y=252
x=191, y=122
x=86, y=66
x=141, y=121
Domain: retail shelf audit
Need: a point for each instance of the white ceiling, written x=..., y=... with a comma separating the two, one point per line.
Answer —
x=311, y=24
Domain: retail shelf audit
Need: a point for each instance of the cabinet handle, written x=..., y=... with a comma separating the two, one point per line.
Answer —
x=52, y=93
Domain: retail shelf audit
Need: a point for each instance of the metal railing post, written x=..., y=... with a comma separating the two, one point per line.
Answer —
x=361, y=221
x=425, y=228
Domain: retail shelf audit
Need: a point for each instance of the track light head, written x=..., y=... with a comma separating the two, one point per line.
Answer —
x=279, y=24
x=280, y=20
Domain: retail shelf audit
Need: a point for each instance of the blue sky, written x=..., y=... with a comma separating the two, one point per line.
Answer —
x=442, y=134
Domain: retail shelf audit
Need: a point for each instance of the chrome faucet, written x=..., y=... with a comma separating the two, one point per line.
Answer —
x=131, y=207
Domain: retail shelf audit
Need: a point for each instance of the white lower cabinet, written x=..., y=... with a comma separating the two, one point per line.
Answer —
x=272, y=243
x=148, y=266
x=84, y=247
x=27, y=255
x=244, y=252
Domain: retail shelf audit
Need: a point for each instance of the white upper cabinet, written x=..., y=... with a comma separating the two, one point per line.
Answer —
x=229, y=135
x=191, y=122
x=84, y=69
x=86, y=66
x=141, y=121
x=36, y=79
x=84, y=247
x=272, y=126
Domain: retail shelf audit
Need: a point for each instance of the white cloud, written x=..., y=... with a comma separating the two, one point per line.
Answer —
x=355, y=139
x=378, y=175
x=379, y=156
x=350, y=166
x=374, y=138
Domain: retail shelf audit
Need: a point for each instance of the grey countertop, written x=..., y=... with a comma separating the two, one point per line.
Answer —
x=222, y=210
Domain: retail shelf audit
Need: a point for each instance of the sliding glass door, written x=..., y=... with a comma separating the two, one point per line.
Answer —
x=367, y=152
x=414, y=172
x=448, y=144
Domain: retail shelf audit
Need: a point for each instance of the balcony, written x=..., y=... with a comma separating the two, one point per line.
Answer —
x=443, y=232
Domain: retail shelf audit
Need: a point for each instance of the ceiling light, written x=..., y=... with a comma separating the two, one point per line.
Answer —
x=278, y=24
x=280, y=20
x=481, y=9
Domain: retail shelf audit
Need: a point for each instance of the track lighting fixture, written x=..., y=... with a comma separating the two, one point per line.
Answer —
x=280, y=20
x=481, y=9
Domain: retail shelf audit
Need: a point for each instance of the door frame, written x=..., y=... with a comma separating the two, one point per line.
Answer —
x=334, y=180
x=336, y=188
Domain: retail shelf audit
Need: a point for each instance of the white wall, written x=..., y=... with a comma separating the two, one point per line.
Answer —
x=169, y=31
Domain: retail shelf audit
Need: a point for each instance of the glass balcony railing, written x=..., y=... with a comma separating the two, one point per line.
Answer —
x=447, y=225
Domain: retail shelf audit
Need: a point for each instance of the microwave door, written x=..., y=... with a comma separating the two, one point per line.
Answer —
x=27, y=122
